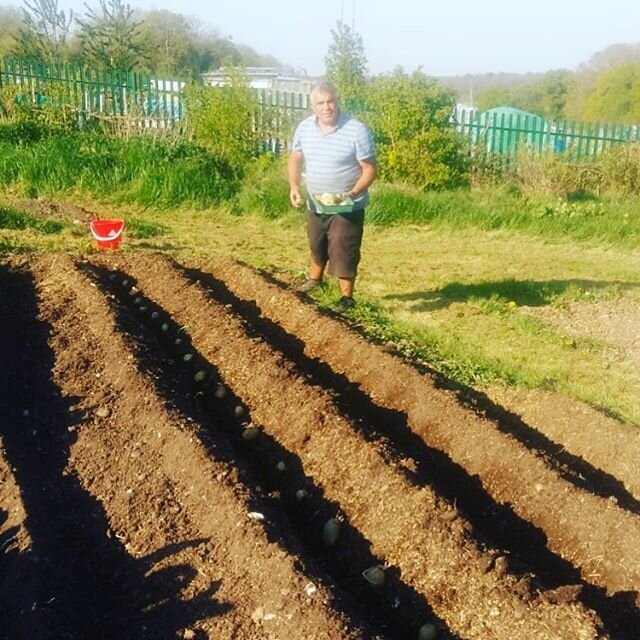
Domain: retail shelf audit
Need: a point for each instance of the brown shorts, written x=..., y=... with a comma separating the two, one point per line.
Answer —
x=336, y=239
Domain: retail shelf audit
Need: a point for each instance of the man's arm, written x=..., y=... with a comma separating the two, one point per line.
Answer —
x=295, y=178
x=369, y=172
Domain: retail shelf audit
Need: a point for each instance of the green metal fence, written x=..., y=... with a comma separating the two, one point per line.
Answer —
x=510, y=133
x=155, y=102
x=277, y=114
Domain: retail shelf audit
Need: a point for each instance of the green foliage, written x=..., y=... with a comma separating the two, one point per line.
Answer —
x=144, y=170
x=616, y=98
x=621, y=169
x=264, y=189
x=10, y=23
x=615, y=172
x=346, y=63
x=177, y=46
x=52, y=107
x=409, y=116
x=580, y=88
x=44, y=31
x=546, y=174
x=168, y=39
x=545, y=97
x=221, y=118
x=110, y=37
x=553, y=90
x=493, y=97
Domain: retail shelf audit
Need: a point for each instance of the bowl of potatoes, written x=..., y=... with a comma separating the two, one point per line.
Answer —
x=332, y=202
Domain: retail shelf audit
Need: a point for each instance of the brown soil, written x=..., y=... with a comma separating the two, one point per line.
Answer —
x=176, y=437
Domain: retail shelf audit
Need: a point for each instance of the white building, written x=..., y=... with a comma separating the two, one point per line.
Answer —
x=268, y=78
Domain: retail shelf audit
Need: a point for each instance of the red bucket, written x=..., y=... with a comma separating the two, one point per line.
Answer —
x=107, y=233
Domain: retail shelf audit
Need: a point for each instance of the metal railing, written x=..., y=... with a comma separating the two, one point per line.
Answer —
x=155, y=103
x=509, y=134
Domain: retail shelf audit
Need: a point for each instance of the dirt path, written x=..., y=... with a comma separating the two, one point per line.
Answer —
x=613, y=322
x=185, y=442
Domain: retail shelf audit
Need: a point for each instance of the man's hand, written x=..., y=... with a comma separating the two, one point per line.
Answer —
x=295, y=197
x=295, y=174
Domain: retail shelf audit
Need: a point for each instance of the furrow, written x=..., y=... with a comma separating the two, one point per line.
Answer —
x=434, y=551
x=580, y=526
x=185, y=556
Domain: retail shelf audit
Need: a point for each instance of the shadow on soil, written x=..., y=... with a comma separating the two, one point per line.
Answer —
x=273, y=474
x=76, y=580
x=571, y=468
x=496, y=526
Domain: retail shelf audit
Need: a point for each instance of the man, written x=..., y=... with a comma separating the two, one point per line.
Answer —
x=337, y=153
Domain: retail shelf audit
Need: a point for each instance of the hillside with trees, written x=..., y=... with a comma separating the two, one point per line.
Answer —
x=112, y=34
x=115, y=35
x=606, y=88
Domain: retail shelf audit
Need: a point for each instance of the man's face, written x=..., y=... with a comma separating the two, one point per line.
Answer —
x=325, y=108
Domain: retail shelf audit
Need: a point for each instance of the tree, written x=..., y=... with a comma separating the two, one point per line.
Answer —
x=252, y=58
x=616, y=98
x=613, y=55
x=410, y=118
x=44, y=31
x=110, y=37
x=581, y=86
x=584, y=82
x=169, y=40
x=346, y=63
x=10, y=23
x=552, y=94
x=545, y=97
x=493, y=97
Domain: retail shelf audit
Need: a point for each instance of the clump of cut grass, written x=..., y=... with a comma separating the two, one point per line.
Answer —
x=143, y=229
x=17, y=220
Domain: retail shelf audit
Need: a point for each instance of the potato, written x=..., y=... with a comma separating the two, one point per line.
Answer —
x=329, y=199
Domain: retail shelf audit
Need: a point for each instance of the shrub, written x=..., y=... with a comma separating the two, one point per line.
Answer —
x=50, y=106
x=545, y=174
x=221, y=119
x=416, y=145
x=264, y=189
x=621, y=168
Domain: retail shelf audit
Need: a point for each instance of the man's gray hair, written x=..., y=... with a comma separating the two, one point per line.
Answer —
x=323, y=86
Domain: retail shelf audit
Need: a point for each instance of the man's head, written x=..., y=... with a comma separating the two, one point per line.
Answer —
x=324, y=102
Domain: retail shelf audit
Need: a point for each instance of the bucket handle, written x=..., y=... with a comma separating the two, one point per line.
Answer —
x=105, y=238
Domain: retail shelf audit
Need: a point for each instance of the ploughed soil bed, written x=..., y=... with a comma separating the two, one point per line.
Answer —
x=193, y=451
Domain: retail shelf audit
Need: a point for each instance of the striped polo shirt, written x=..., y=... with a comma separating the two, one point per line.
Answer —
x=331, y=159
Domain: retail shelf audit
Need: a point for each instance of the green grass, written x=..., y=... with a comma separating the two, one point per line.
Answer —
x=607, y=220
x=142, y=171
x=12, y=219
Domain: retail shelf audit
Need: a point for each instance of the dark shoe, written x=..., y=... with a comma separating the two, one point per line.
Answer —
x=344, y=304
x=309, y=285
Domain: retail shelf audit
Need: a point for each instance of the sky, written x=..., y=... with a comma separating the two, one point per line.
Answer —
x=443, y=38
